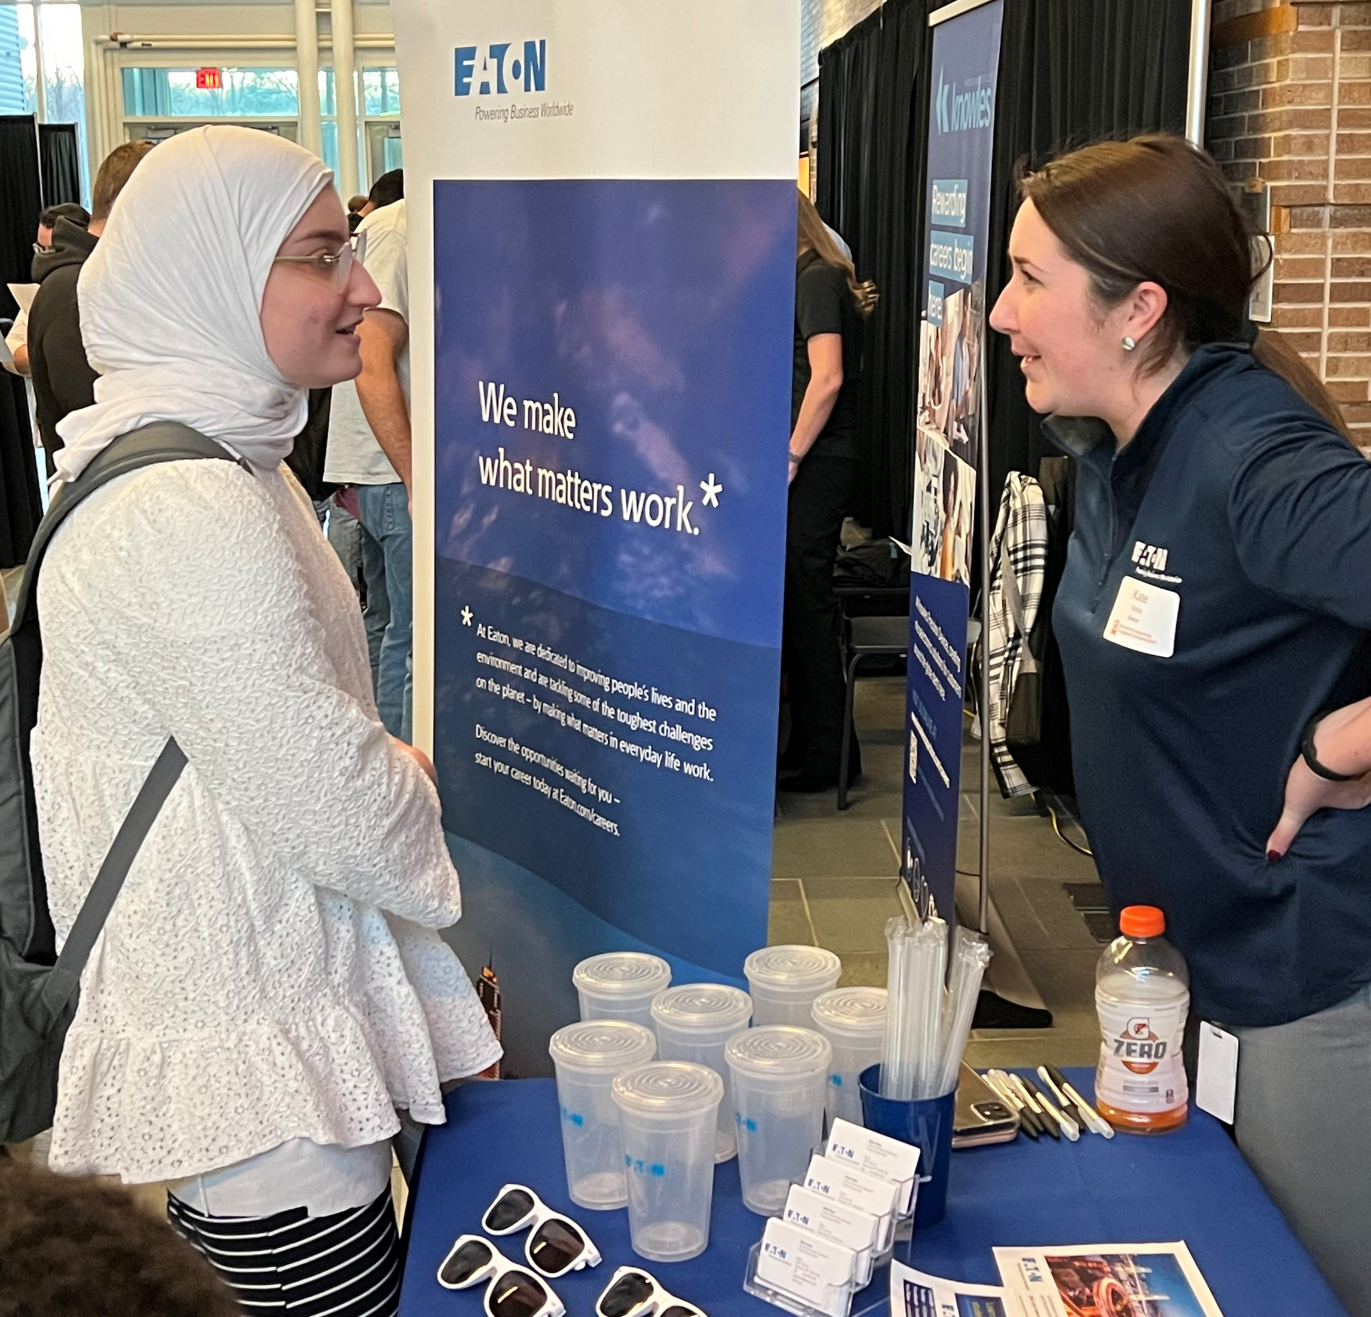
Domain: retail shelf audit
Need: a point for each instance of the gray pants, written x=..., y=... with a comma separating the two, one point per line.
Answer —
x=1304, y=1125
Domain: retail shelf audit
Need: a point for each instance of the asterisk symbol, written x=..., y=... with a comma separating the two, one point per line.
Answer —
x=466, y=616
x=712, y=491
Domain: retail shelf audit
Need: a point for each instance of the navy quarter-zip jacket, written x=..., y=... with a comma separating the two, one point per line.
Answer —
x=1240, y=498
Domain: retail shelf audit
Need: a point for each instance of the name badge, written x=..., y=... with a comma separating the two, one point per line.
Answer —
x=1144, y=618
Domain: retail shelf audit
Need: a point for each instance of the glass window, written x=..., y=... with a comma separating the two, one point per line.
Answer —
x=64, y=73
x=381, y=89
x=329, y=131
x=245, y=94
x=18, y=75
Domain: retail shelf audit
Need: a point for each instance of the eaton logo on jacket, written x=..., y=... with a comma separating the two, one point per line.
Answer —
x=961, y=112
x=1149, y=556
x=501, y=68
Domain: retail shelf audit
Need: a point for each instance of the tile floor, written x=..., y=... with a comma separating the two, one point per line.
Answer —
x=835, y=883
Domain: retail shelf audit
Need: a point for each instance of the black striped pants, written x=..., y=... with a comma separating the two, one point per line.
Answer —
x=347, y=1265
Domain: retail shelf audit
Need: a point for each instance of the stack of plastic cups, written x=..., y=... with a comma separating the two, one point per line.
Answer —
x=587, y=1056
x=694, y=1021
x=620, y=985
x=668, y=1114
x=853, y=1021
x=784, y=981
x=779, y=1076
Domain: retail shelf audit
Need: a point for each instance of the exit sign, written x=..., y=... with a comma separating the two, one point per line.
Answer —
x=209, y=79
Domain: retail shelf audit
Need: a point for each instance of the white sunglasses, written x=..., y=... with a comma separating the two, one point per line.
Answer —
x=512, y=1291
x=556, y=1244
x=633, y=1292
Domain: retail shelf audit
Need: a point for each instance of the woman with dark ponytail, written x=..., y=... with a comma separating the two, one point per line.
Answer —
x=829, y=305
x=1214, y=621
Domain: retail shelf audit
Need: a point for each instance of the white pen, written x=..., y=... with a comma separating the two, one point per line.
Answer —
x=1055, y=1089
x=1093, y=1119
x=1064, y=1122
x=1049, y=1125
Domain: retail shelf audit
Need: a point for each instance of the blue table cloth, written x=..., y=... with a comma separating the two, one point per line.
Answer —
x=1191, y=1185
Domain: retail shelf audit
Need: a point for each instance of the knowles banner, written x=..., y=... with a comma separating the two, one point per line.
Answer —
x=948, y=439
x=602, y=232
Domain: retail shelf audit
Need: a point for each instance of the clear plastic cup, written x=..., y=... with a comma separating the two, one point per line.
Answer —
x=620, y=985
x=694, y=1021
x=587, y=1056
x=785, y=980
x=668, y=1112
x=779, y=1075
x=853, y=1021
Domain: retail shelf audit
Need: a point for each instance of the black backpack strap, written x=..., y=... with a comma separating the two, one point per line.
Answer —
x=162, y=441
x=64, y=980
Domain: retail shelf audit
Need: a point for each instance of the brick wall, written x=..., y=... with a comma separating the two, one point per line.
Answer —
x=1290, y=103
x=822, y=22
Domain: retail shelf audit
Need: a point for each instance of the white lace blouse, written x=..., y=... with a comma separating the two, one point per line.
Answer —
x=270, y=969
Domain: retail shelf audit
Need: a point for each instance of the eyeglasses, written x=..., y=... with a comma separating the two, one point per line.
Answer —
x=557, y=1244
x=632, y=1292
x=336, y=268
x=512, y=1291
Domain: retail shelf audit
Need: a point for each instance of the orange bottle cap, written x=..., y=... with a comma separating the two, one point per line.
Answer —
x=1142, y=921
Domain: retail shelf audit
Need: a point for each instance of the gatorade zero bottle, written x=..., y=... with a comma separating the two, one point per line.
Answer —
x=1142, y=994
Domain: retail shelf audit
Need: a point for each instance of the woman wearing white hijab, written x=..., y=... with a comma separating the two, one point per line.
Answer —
x=268, y=989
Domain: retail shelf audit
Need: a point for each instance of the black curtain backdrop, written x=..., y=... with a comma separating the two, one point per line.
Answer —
x=58, y=149
x=20, y=204
x=20, y=505
x=873, y=117
x=1071, y=72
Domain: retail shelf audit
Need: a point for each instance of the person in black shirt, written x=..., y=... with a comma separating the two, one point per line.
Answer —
x=829, y=306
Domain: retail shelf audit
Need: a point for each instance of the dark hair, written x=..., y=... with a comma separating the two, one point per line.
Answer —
x=115, y=170
x=1158, y=209
x=812, y=235
x=387, y=189
x=84, y=1249
x=67, y=210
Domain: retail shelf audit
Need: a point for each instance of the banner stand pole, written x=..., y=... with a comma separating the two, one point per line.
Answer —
x=983, y=703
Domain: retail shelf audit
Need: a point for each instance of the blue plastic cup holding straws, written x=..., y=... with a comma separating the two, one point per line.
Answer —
x=924, y=1122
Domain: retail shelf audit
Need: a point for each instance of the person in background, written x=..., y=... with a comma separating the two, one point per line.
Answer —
x=1214, y=623
x=84, y=1249
x=63, y=378
x=369, y=451
x=829, y=306
x=355, y=205
x=386, y=191
x=17, y=340
x=270, y=986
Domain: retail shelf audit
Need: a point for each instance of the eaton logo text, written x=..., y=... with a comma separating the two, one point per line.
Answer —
x=501, y=68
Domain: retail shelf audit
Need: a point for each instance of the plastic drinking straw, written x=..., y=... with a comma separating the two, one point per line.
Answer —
x=928, y=948
x=970, y=956
x=897, y=1076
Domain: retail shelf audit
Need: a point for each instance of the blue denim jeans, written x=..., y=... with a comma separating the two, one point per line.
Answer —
x=385, y=515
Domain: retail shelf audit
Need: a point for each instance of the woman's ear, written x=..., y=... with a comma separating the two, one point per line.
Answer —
x=1142, y=309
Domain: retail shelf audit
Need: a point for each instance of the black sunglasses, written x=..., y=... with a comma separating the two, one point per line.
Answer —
x=511, y=1292
x=556, y=1245
x=632, y=1292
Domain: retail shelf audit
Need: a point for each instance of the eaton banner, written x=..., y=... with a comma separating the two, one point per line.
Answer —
x=602, y=222
x=948, y=440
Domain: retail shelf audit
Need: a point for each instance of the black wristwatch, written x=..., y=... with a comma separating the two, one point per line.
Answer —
x=1311, y=758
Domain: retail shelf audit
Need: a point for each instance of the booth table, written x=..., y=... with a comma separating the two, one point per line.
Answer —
x=1191, y=1185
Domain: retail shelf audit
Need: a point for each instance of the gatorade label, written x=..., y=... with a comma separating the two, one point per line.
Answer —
x=1141, y=1068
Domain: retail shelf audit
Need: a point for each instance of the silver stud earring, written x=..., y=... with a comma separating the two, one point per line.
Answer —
x=1129, y=343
